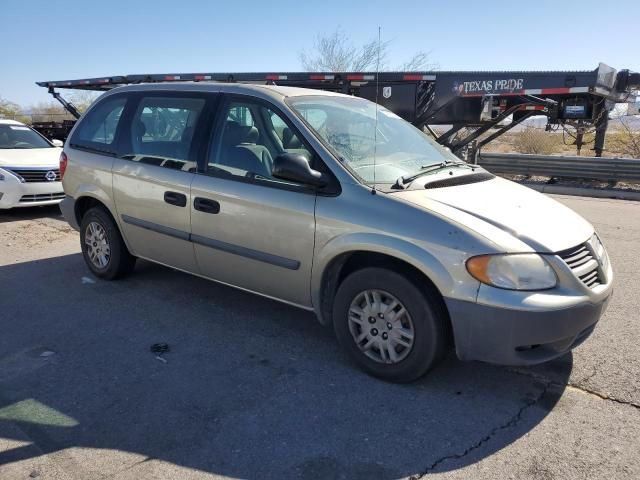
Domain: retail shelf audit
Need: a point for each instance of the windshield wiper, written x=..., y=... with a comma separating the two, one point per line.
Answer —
x=404, y=181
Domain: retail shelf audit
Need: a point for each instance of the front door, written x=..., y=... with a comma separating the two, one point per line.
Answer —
x=152, y=180
x=249, y=229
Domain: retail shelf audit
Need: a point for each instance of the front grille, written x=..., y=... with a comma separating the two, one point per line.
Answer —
x=583, y=263
x=41, y=197
x=32, y=175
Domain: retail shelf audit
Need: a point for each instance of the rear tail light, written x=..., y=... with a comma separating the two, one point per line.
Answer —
x=63, y=164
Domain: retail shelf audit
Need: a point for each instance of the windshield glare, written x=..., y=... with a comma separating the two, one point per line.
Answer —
x=347, y=125
x=20, y=137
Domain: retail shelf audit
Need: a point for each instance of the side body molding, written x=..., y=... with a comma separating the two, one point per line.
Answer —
x=213, y=243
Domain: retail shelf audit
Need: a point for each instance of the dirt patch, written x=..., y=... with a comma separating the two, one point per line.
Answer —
x=32, y=233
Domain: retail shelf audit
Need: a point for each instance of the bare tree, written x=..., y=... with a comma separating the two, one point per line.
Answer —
x=420, y=61
x=47, y=112
x=82, y=99
x=625, y=140
x=8, y=109
x=336, y=52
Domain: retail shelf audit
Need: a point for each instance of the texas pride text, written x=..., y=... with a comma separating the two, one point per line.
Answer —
x=490, y=86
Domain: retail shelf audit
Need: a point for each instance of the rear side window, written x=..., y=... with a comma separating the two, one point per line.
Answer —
x=162, y=131
x=97, y=130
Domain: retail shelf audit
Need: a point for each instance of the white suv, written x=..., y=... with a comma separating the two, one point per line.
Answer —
x=29, y=167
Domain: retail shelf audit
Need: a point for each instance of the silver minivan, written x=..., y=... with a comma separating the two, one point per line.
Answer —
x=335, y=205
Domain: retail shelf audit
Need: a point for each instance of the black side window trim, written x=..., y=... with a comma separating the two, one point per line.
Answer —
x=98, y=151
x=267, y=182
x=214, y=131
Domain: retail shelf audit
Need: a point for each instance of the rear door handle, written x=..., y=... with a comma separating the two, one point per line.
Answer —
x=175, y=198
x=206, y=205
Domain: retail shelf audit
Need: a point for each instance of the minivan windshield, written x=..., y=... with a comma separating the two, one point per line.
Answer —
x=347, y=124
x=20, y=136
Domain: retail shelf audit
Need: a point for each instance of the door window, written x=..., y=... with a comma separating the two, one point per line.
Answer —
x=162, y=131
x=251, y=136
x=289, y=141
x=241, y=114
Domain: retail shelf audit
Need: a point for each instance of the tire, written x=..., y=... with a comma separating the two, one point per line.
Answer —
x=426, y=317
x=103, y=249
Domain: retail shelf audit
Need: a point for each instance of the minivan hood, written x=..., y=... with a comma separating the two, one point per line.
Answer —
x=535, y=219
x=30, y=157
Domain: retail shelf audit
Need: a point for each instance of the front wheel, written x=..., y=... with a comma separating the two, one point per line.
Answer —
x=103, y=248
x=388, y=326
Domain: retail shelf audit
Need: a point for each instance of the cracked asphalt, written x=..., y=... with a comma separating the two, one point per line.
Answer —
x=255, y=389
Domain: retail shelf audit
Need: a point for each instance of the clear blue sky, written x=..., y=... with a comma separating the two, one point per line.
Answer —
x=52, y=40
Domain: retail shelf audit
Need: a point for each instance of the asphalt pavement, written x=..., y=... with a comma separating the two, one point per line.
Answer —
x=251, y=388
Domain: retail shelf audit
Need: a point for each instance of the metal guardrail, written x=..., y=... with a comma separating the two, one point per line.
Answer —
x=596, y=168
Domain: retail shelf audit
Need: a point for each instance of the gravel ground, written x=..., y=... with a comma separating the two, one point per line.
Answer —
x=576, y=183
x=255, y=389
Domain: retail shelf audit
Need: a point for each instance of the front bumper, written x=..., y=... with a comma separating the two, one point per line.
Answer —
x=14, y=193
x=511, y=327
x=520, y=337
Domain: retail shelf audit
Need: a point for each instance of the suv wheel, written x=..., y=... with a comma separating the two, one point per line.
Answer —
x=388, y=326
x=102, y=246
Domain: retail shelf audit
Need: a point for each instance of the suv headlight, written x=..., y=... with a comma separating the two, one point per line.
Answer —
x=516, y=271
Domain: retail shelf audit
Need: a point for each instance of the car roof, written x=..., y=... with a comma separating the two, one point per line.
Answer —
x=6, y=121
x=271, y=91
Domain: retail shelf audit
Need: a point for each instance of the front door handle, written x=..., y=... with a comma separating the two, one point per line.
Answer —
x=175, y=198
x=206, y=205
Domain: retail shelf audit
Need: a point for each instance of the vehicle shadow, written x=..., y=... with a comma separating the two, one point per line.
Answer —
x=30, y=213
x=250, y=388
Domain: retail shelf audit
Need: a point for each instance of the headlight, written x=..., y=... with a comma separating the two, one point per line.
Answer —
x=518, y=271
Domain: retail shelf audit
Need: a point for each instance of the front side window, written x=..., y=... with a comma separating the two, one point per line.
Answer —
x=241, y=114
x=21, y=137
x=162, y=131
x=249, y=138
x=348, y=125
x=97, y=130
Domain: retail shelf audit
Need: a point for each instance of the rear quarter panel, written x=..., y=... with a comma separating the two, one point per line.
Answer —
x=89, y=174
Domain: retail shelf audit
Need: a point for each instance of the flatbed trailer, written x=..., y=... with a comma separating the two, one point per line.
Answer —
x=53, y=129
x=479, y=101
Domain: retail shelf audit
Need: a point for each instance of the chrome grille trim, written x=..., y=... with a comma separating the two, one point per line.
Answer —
x=583, y=262
x=574, y=256
x=33, y=175
x=41, y=197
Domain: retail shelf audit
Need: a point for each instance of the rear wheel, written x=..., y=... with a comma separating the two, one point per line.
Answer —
x=388, y=326
x=103, y=248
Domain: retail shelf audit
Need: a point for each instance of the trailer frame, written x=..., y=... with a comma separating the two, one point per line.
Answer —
x=480, y=101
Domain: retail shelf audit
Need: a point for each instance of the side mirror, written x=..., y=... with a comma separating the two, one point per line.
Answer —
x=295, y=168
x=57, y=143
